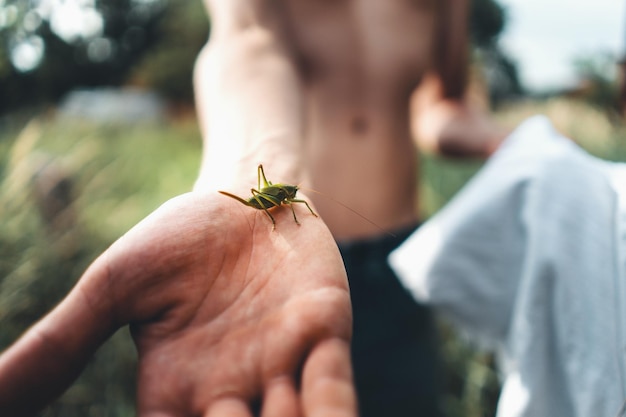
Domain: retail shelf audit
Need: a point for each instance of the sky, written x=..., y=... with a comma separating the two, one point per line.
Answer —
x=544, y=37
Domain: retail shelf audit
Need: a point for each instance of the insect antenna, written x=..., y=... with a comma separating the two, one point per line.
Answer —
x=347, y=208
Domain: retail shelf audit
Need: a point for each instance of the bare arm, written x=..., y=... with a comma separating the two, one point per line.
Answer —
x=444, y=119
x=226, y=314
x=248, y=97
x=451, y=53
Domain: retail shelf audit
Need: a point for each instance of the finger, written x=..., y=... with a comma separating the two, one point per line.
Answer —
x=281, y=399
x=155, y=414
x=327, y=385
x=228, y=407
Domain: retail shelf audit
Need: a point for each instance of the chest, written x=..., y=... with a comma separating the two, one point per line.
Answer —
x=374, y=37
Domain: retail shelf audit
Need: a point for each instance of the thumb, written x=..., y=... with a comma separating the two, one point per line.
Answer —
x=50, y=355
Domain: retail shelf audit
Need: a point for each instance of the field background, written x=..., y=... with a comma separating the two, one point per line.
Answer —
x=69, y=188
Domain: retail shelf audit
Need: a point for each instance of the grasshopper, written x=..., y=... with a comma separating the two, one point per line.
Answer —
x=271, y=195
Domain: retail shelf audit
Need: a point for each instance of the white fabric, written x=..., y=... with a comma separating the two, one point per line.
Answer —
x=530, y=258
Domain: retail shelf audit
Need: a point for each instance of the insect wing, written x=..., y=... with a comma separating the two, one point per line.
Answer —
x=263, y=200
x=261, y=174
x=276, y=192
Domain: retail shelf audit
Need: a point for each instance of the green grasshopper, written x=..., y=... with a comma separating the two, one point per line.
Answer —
x=271, y=195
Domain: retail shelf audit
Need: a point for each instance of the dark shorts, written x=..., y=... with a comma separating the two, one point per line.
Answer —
x=394, y=346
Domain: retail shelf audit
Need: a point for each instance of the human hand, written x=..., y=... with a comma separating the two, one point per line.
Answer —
x=229, y=317
x=452, y=127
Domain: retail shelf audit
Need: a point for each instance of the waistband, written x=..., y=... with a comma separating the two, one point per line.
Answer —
x=381, y=245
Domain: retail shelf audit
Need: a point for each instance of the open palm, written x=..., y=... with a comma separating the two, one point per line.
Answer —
x=229, y=316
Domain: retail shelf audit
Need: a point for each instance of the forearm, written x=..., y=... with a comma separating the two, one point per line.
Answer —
x=452, y=61
x=248, y=96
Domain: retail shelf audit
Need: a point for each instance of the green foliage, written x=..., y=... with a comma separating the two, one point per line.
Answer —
x=487, y=20
x=131, y=29
x=587, y=125
x=599, y=81
x=68, y=189
x=167, y=67
x=472, y=384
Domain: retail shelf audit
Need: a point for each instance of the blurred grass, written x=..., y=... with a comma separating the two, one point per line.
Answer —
x=69, y=188
x=599, y=133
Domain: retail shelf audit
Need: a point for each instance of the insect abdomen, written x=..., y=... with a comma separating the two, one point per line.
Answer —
x=263, y=204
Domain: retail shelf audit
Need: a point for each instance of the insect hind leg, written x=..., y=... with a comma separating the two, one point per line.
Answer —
x=262, y=204
x=261, y=174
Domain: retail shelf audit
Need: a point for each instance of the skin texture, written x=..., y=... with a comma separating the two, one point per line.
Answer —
x=227, y=316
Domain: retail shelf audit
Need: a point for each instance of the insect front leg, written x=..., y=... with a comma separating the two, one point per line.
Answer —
x=288, y=202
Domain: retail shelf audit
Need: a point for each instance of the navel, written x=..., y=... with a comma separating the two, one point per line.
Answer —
x=359, y=125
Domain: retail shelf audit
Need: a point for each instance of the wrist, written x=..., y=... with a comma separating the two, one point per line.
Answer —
x=219, y=172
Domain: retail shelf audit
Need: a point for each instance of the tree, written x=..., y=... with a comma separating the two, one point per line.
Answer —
x=151, y=43
x=48, y=48
x=487, y=21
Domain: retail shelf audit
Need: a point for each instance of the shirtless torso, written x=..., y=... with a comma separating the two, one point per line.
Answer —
x=358, y=63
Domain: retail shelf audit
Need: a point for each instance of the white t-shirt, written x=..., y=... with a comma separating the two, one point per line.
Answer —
x=530, y=259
